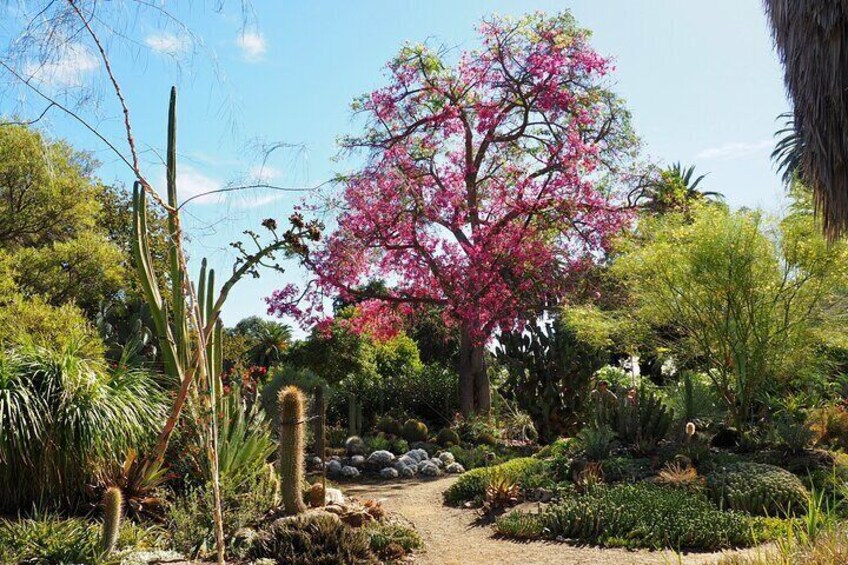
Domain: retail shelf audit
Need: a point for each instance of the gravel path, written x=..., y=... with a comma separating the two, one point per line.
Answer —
x=453, y=536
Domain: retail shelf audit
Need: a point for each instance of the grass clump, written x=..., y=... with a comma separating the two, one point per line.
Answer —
x=471, y=486
x=639, y=516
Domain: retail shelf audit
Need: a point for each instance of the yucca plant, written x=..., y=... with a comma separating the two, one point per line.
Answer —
x=244, y=440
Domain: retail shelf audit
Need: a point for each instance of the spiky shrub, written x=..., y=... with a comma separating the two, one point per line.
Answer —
x=640, y=515
x=312, y=538
x=291, y=449
x=415, y=430
x=502, y=491
x=757, y=488
x=644, y=423
x=596, y=442
x=113, y=502
x=471, y=486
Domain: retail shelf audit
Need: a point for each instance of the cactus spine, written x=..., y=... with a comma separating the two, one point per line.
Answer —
x=291, y=406
x=113, y=502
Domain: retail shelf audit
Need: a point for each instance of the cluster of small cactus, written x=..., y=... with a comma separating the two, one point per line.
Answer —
x=291, y=448
x=415, y=430
x=113, y=503
x=757, y=488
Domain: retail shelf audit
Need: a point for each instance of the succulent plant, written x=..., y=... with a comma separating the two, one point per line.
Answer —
x=415, y=430
x=447, y=437
x=757, y=488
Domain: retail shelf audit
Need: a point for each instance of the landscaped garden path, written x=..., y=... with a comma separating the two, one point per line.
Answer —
x=455, y=536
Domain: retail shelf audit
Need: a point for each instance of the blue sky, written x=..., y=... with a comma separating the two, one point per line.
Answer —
x=701, y=79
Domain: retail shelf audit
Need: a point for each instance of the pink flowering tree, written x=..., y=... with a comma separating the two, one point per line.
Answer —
x=485, y=189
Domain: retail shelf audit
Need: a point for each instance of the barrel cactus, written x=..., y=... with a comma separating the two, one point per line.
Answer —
x=757, y=488
x=415, y=430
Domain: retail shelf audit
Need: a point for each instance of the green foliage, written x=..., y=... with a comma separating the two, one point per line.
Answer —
x=389, y=425
x=747, y=303
x=625, y=469
x=63, y=418
x=51, y=540
x=549, y=372
x=244, y=440
x=190, y=521
x=282, y=376
x=383, y=534
x=415, y=430
x=640, y=515
x=642, y=421
x=758, y=489
x=694, y=399
x=471, y=485
x=313, y=538
x=596, y=442
x=292, y=448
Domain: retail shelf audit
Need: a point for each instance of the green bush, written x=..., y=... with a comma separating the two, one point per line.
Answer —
x=471, y=485
x=53, y=540
x=388, y=425
x=562, y=446
x=64, y=417
x=382, y=534
x=641, y=515
x=310, y=539
x=757, y=488
x=625, y=469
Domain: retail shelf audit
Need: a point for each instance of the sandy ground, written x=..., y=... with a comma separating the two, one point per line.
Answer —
x=454, y=536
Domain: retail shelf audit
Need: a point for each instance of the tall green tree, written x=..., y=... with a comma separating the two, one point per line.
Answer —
x=747, y=298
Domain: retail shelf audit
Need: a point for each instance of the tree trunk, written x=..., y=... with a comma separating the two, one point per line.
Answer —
x=474, y=393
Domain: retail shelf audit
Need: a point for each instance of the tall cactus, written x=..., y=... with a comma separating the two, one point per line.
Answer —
x=291, y=449
x=319, y=430
x=113, y=502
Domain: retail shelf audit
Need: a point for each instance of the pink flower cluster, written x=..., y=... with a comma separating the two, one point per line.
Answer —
x=479, y=195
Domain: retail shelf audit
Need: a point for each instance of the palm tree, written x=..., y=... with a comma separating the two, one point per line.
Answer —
x=674, y=189
x=788, y=150
x=811, y=37
x=271, y=341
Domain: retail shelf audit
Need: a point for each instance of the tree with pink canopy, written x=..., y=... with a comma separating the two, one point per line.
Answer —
x=489, y=184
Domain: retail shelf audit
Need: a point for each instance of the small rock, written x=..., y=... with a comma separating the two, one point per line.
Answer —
x=407, y=472
x=408, y=461
x=447, y=457
x=428, y=469
x=334, y=467
x=437, y=462
x=381, y=458
x=417, y=454
x=389, y=473
x=316, y=462
x=455, y=468
x=357, y=461
x=333, y=496
x=350, y=472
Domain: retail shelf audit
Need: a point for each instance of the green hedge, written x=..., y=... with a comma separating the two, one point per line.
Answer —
x=640, y=515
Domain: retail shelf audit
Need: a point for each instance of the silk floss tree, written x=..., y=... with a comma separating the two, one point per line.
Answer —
x=486, y=186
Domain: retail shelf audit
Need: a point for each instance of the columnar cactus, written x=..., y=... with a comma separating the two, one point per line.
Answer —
x=319, y=432
x=113, y=502
x=291, y=449
x=354, y=415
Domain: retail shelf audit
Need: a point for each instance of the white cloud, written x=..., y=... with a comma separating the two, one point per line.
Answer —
x=262, y=174
x=191, y=183
x=70, y=67
x=735, y=150
x=257, y=201
x=167, y=43
x=252, y=45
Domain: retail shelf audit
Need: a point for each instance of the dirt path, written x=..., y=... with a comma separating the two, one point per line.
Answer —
x=452, y=536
